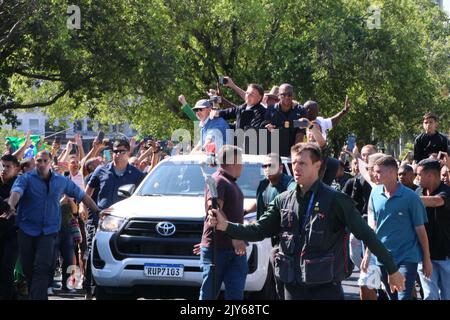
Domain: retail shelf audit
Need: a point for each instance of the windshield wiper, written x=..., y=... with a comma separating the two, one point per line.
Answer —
x=151, y=195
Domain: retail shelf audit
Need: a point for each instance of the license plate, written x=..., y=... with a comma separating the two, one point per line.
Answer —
x=163, y=270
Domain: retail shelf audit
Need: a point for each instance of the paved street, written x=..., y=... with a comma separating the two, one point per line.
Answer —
x=350, y=289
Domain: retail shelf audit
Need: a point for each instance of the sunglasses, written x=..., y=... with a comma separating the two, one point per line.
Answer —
x=285, y=95
x=266, y=166
x=120, y=151
x=42, y=160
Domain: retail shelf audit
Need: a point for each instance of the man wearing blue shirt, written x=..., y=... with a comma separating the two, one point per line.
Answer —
x=105, y=182
x=109, y=177
x=213, y=131
x=39, y=219
x=399, y=217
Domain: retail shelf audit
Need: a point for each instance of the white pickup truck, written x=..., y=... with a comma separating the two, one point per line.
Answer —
x=148, y=238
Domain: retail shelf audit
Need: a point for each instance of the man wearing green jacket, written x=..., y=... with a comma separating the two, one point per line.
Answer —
x=312, y=223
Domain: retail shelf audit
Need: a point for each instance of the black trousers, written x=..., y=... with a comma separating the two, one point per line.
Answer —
x=8, y=257
x=328, y=291
x=36, y=256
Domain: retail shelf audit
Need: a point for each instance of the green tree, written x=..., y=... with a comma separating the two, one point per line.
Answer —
x=131, y=59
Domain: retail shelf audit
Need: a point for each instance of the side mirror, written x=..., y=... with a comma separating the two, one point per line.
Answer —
x=126, y=191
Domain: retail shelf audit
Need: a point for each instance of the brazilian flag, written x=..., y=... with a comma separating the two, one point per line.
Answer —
x=16, y=143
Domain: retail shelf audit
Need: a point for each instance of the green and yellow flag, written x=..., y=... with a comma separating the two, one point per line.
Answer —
x=16, y=142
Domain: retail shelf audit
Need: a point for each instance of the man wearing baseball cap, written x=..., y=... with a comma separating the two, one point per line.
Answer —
x=213, y=131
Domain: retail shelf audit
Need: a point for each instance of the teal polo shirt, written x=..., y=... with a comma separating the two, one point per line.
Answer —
x=396, y=219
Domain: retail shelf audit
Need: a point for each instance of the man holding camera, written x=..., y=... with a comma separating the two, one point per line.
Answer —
x=248, y=115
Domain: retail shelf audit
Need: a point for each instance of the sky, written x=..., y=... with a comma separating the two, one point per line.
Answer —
x=447, y=5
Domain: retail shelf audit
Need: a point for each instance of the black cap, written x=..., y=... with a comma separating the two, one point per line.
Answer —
x=430, y=164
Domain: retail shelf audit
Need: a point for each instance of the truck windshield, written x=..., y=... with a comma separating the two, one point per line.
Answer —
x=172, y=178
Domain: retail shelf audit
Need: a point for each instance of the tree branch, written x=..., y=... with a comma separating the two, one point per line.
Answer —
x=234, y=47
x=15, y=105
x=52, y=77
x=207, y=63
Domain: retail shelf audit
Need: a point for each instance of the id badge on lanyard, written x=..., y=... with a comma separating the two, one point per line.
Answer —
x=308, y=213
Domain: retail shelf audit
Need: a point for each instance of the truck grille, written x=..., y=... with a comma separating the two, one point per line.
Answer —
x=139, y=238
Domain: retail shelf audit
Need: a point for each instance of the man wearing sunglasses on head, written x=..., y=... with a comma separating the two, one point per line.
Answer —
x=37, y=194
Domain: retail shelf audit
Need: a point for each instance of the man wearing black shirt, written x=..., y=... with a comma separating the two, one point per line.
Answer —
x=435, y=195
x=248, y=115
x=430, y=141
x=361, y=188
x=282, y=115
x=8, y=231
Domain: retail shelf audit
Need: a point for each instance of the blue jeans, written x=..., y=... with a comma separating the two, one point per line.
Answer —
x=231, y=269
x=63, y=246
x=409, y=271
x=440, y=281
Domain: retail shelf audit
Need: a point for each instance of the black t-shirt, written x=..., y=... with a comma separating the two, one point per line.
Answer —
x=245, y=119
x=424, y=145
x=360, y=193
x=7, y=226
x=438, y=226
x=284, y=122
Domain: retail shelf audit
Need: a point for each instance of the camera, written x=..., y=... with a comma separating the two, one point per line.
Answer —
x=162, y=144
x=74, y=149
x=223, y=80
x=215, y=99
x=100, y=136
x=302, y=123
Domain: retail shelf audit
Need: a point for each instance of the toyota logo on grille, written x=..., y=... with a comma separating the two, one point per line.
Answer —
x=165, y=228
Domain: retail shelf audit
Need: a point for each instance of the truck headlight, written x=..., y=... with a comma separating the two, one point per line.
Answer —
x=111, y=223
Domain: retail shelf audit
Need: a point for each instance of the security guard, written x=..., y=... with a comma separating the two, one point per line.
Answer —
x=312, y=223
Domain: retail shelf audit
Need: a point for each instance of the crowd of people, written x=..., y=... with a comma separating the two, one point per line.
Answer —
x=394, y=215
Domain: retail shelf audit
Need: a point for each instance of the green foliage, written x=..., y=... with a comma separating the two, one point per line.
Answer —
x=131, y=59
x=409, y=147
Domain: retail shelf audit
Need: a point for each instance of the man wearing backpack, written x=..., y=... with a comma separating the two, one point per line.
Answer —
x=311, y=222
